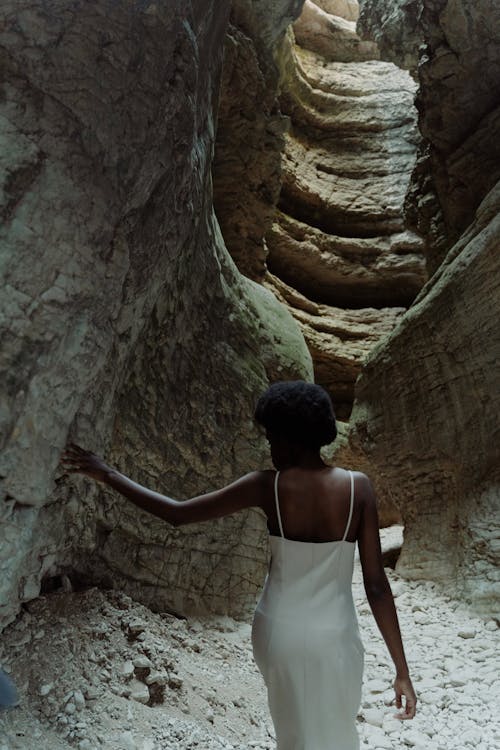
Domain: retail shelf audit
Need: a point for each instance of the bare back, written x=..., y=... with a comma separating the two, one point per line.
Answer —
x=314, y=505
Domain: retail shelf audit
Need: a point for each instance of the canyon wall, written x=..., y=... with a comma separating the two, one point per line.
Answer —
x=425, y=419
x=126, y=326
x=340, y=253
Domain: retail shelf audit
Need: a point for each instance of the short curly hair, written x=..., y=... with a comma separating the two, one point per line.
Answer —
x=298, y=411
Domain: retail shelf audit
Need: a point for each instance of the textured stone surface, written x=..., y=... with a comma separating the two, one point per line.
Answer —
x=347, y=271
x=250, y=130
x=348, y=9
x=125, y=325
x=458, y=102
x=339, y=340
x=425, y=421
x=339, y=248
x=332, y=36
x=247, y=163
x=354, y=130
x=459, y=105
x=394, y=26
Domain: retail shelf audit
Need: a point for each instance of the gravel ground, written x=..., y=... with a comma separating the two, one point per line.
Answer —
x=97, y=671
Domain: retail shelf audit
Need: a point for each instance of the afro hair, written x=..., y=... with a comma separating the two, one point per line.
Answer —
x=298, y=411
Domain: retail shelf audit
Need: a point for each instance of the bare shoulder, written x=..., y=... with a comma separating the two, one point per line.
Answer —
x=256, y=484
x=364, y=489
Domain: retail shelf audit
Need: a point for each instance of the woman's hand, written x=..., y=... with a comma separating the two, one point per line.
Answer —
x=76, y=460
x=403, y=687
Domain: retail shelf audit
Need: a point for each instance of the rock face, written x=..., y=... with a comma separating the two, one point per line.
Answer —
x=459, y=106
x=427, y=399
x=394, y=26
x=329, y=33
x=339, y=244
x=125, y=325
x=425, y=419
x=250, y=131
x=338, y=339
x=456, y=45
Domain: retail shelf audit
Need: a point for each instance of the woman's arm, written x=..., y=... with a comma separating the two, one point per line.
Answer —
x=243, y=493
x=379, y=595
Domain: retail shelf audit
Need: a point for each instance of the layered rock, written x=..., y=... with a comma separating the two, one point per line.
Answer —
x=250, y=131
x=425, y=419
x=329, y=30
x=346, y=271
x=456, y=45
x=340, y=238
x=435, y=375
x=338, y=339
x=125, y=325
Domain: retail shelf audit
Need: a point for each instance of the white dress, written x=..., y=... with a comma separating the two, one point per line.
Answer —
x=306, y=642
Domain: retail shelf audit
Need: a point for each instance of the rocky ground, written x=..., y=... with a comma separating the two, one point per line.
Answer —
x=97, y=671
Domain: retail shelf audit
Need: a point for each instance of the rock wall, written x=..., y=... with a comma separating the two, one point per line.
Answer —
x=424, y=422
x=340, y=253
x=459, y=107
x=394, y=26
x=452, y=47
x=125, y=325
x=250, y=132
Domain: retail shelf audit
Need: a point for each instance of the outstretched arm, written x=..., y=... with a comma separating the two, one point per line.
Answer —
x=379, y=595
x=243, y=493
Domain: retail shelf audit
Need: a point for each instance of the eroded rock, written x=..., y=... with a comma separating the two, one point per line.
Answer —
x=126, y=326
x=426, y=405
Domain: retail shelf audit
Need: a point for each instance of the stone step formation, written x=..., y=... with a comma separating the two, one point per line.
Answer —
x=340, y=254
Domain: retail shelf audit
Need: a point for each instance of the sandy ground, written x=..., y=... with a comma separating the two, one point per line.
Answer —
x=97, y=671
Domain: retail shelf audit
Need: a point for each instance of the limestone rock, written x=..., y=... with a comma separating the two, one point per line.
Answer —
x=458, y=101
x=250, y=129
x=340, y=253
x=354, y=129
x=247, y=163
x=425, y=425
x=348, y=9
x=348, y=271
x=339, y=340
x=330, y=35
x=125, y=325
x=394, y=26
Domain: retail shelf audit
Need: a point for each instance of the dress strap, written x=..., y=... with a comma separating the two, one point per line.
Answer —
x=350, y=508
x=277, y=502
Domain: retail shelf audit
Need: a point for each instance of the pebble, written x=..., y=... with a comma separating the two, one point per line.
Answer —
x=46, y=689
x=127, y=669
x=142, y=662
x=78, y=699
x=374, y=716
x=466, y=633
x=139, y=691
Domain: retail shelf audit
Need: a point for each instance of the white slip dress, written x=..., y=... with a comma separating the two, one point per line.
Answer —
x=306, y=641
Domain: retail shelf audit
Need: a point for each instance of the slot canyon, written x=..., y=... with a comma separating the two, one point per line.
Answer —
x=199, y=199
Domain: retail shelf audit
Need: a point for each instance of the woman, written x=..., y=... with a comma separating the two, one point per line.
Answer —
x=305, y=634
